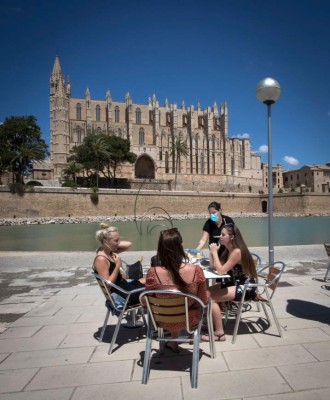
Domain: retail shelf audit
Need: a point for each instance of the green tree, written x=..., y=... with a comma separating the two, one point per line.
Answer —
x=102, y=154
x=20, y=145
x=179, y=148
x=72, y=170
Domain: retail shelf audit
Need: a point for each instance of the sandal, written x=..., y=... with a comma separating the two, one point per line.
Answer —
x=217, y=338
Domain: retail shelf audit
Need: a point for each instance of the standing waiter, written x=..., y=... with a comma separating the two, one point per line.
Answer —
x=212, y=227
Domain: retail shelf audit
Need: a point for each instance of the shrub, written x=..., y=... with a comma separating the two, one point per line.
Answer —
x=70, y=184
x=34, y=183
x=17, y=188
x=94, y=196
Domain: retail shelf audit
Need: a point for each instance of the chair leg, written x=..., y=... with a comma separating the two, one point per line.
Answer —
x=141, y=311
x=211, y=331
x=147, y=355
x=274, y=316
x=195, y=360
x=114, y=336
x=238, y=318
x=104, y=325
x=327, y=272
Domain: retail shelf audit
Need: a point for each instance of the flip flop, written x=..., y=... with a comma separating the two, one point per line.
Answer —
x=217, y=338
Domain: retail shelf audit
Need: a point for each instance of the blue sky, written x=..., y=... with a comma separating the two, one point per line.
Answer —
x=196, y=51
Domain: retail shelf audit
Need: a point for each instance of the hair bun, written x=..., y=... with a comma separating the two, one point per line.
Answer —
x=103, y=225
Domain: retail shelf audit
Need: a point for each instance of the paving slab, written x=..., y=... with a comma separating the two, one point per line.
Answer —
x=307, y=376
x=53, y=394
x=81, y=375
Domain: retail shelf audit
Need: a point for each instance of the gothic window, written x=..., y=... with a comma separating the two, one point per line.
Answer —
x=138, y=116
x=78, y=130
x=151, y=117
x=168, y=119
x=184, y=120
x=117, y=114
x=213, y=143
x=141, y=136
x=78, y=111
x=98, y=113
x=200, y=122
x=167, y=170
x=202, y=164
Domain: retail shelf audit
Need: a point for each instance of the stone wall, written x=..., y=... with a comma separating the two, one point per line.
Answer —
x=62, y=202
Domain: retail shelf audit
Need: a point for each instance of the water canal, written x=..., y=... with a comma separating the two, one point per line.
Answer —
x=81, y=237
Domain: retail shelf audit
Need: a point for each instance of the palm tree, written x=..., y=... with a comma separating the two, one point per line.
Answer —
x=72, y=170
x=24, y=157
x=100, y=150
x=179, y=148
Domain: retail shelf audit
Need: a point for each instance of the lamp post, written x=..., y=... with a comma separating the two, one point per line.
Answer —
x=268, y=90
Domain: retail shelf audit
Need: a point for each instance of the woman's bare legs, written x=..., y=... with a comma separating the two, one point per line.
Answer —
x=219, y=295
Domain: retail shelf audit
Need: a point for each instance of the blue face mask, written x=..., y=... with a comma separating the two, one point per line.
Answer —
x=214, y=217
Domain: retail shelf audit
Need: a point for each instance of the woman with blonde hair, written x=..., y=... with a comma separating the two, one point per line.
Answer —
x=107, y=263
x=237, y=262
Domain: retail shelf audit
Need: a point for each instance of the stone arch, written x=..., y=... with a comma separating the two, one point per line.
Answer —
x=264, y=206
x=144, y=167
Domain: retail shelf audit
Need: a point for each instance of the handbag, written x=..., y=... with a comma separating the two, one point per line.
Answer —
x=134, y=271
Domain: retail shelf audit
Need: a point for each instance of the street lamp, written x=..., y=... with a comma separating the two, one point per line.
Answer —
x=268, y=90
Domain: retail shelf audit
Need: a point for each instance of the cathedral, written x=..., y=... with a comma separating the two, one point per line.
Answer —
x=214, y=161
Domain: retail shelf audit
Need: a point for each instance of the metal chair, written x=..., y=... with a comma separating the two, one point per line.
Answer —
x=173, y=306
x=120, y=312
x=257, y=261
x=327, y=249
x=265, y=289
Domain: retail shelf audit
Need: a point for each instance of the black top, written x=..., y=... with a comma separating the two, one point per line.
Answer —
x=214, y=230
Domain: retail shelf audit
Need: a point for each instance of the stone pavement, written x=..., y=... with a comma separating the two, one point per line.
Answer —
x=50, y=309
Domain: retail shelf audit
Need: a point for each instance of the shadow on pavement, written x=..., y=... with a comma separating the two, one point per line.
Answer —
x=308, y=310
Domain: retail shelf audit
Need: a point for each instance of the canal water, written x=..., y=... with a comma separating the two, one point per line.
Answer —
x=144, y=236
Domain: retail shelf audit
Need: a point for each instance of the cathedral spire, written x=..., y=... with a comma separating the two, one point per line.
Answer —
x=57, y=71
x=57, y=85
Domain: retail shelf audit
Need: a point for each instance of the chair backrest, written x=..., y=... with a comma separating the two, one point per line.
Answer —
x=104, y=285
x=275, y=272
x=171, y=306
x=327, y=248
x=257, y=261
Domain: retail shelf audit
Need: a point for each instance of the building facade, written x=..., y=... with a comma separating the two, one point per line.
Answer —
x=314, y=178
x=214, y=160
x=277, y=176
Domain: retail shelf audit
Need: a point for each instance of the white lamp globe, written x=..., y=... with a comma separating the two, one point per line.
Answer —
x=268, y=90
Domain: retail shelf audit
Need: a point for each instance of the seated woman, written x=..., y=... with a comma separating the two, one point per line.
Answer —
x=237, y=262
x=173, y=272
x=107, y=264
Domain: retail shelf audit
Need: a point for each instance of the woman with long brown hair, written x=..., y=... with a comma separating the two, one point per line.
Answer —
x=237, y=262
x=174, y=272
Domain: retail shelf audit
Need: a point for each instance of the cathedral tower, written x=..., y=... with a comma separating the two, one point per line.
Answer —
x=59, y=119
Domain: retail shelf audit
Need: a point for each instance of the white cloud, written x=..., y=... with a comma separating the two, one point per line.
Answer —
x=243, y=136
x=263, y=148
x=290, y=160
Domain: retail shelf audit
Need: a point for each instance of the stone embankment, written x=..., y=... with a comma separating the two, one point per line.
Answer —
x=132, y=218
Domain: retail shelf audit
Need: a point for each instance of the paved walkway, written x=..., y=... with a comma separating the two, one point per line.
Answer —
x=50, y=309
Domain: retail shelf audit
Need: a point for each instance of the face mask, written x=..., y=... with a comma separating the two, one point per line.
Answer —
x=214, y=217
